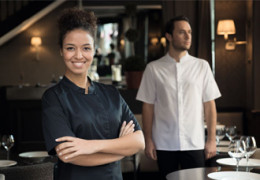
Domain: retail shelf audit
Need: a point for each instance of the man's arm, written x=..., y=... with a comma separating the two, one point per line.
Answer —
x=148, y=111
x=211, y=120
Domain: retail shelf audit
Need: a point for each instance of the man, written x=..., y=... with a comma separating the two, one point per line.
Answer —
x=114, y=56
x=178, y=93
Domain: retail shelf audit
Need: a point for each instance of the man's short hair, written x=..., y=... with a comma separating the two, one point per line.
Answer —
x=169, y=27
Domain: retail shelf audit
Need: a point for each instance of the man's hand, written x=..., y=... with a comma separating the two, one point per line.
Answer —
x=150, y=149
x=210, y=149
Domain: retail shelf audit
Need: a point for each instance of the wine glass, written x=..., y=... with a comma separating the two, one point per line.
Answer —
x=231, y=132
x=237, y=150
x=220, y=134
x=250, y=147
x=8, y=143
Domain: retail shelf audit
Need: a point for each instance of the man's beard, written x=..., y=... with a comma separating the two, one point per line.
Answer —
x=180, y=48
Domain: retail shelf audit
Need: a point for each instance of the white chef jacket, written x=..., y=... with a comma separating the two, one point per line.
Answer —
x=178, y=91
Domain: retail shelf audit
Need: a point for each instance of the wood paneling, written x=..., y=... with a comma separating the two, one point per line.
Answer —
x=230, y=65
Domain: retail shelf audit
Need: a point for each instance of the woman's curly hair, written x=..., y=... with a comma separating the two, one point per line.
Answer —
x=74, y=18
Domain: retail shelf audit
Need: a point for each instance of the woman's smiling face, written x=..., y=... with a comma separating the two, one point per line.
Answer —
x=77, y=52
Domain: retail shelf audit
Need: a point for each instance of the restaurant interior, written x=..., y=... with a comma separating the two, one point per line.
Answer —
x=30, y=63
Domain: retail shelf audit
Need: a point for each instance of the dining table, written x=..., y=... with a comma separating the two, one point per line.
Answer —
x=222, y=165
x=203, y=172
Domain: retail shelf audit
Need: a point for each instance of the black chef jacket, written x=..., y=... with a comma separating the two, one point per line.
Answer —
x=68, y=111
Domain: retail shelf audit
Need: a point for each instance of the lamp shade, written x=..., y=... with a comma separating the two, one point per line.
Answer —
x=226, y=27
x=154, y=41
x=163, y=41
x=36, y=41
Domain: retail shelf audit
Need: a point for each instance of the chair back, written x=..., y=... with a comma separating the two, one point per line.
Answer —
x=256, y=155
x=43, y=171
x=2, y=177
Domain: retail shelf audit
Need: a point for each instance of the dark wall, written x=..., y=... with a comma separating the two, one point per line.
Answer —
x=256, y=54
x=18, y=58
x=253, y=112
x=155, y=30
x=230, y=65
x=3, y=112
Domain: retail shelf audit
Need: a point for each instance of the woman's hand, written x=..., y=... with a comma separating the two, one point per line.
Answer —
x=72, y=147
x=127, y=128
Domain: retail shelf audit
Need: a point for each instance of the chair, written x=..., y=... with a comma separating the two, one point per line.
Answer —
x=2, y=177
x=43, y=171
x=256, y=155
x=131, y=164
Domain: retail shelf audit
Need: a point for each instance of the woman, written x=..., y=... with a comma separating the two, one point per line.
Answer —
x=87, y=124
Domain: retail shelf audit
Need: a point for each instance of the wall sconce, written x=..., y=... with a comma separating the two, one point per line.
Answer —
x=36, y=42
x=122, y=42
x=154, y=41
x=163, y=41
x=226, y=27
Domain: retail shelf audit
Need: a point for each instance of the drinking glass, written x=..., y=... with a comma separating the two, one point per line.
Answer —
x=250, y=147
x=237, y=150
x=220, y=134
x=231, y=132
x=8, y=143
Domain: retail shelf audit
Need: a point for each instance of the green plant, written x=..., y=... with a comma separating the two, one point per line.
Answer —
x=134, y=63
